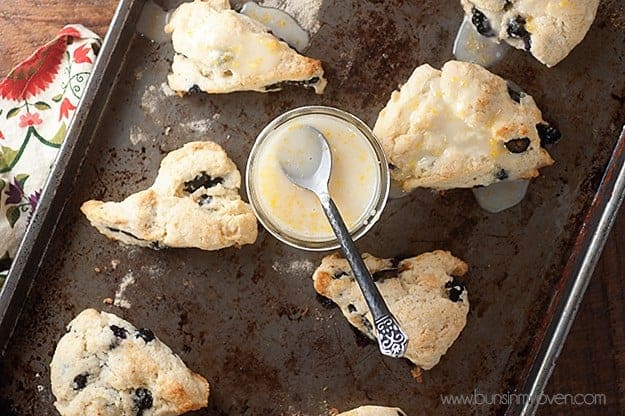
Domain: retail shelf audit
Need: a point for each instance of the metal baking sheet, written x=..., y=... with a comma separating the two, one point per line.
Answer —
x=249, y=319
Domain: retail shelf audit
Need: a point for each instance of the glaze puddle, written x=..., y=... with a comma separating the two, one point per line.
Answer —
x=281, y=24
x=470, y=46
x=152, y=21
x=501, y=196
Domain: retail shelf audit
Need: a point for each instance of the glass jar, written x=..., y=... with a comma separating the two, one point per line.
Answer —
x=359, y=183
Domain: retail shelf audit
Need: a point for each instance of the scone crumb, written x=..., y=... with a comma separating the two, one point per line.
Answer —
x=107, y=301
x=115, y=263
x=417, y=374
x=97, y=269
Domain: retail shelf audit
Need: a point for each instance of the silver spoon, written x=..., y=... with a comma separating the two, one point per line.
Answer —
x=307, y=162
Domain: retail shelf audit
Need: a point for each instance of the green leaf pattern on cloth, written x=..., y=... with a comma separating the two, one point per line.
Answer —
x=38, y=99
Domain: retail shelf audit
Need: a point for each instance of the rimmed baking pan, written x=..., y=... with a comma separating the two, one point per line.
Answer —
x=249, y=319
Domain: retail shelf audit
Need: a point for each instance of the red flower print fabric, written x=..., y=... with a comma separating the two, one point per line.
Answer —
x=38, y=99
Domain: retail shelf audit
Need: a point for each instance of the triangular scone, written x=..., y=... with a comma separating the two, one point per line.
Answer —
x=374, y=411
x=219, y=51
x=548, y=29
x=104, y=366
x=462, y=127
x=194, y=202
x=422, y=292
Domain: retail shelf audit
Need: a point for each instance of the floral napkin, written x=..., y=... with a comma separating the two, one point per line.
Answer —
x=37, y=102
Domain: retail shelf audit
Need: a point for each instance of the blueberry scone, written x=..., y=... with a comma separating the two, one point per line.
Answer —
x=548, y=29
x=218, y=50
x=461, y=127
x=374, y=411
x=423, y=293
x=104, y=366
x=194, y=202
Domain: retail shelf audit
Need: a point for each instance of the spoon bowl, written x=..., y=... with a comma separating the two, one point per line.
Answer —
x=306, y=159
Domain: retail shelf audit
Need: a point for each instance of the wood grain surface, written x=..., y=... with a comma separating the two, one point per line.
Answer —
x=593, y=360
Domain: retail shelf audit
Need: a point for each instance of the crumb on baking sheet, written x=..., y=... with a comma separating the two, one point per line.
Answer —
x=417, y=374
x=97, y=270
x=304, y=266
x=120, y=300
x=137, y=135
x=115, y=263
x=107, y=301
x=202, y=125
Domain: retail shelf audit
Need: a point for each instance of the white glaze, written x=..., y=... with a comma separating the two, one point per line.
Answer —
x=281, y=24
x=151, y=22
x=470, y=46
x=354, y=183
x=501, y=196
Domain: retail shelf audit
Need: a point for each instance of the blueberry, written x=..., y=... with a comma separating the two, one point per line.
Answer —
x=325, y=302
x=145, y=334
x=156, y=245
x=351, y=308
x=129, y=234
x=118, y=331
x=516, y=29
x=194, y=89
x=202, y=180
x=518, y=145
x=384, y=274
x=205, y=199
x=456, y=288
x=481, y=23
x=548, y=133
x=515, y=92
x=282, y=84
x=143, y=400
x=502, y=175
x=340, y=274
x=367, y=326
x=80, y=381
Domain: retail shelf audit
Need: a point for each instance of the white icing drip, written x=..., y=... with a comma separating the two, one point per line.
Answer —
x=470, y=46
x=152, y=22
x=501, y=196
x=281, y=24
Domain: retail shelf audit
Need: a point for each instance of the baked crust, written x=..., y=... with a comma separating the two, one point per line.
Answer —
x=104, y=366
x=422, y=293
x=374, y=411
x=219, y=51
x=194, y=202
x=453, y=128
x=548, y=29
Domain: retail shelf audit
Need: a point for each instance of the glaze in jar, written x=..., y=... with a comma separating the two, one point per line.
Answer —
x=359, y=182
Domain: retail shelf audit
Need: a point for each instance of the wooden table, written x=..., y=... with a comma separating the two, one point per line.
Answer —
x=593, y=360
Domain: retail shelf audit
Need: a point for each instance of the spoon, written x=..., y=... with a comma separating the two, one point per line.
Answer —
x=307, y=162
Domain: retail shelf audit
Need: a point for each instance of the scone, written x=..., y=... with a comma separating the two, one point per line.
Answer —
x=194, y=202
x=548, y=29
x=422, y=292
x=218, y=50
x=374, y=411
x=104, y=366
x=462, y=127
